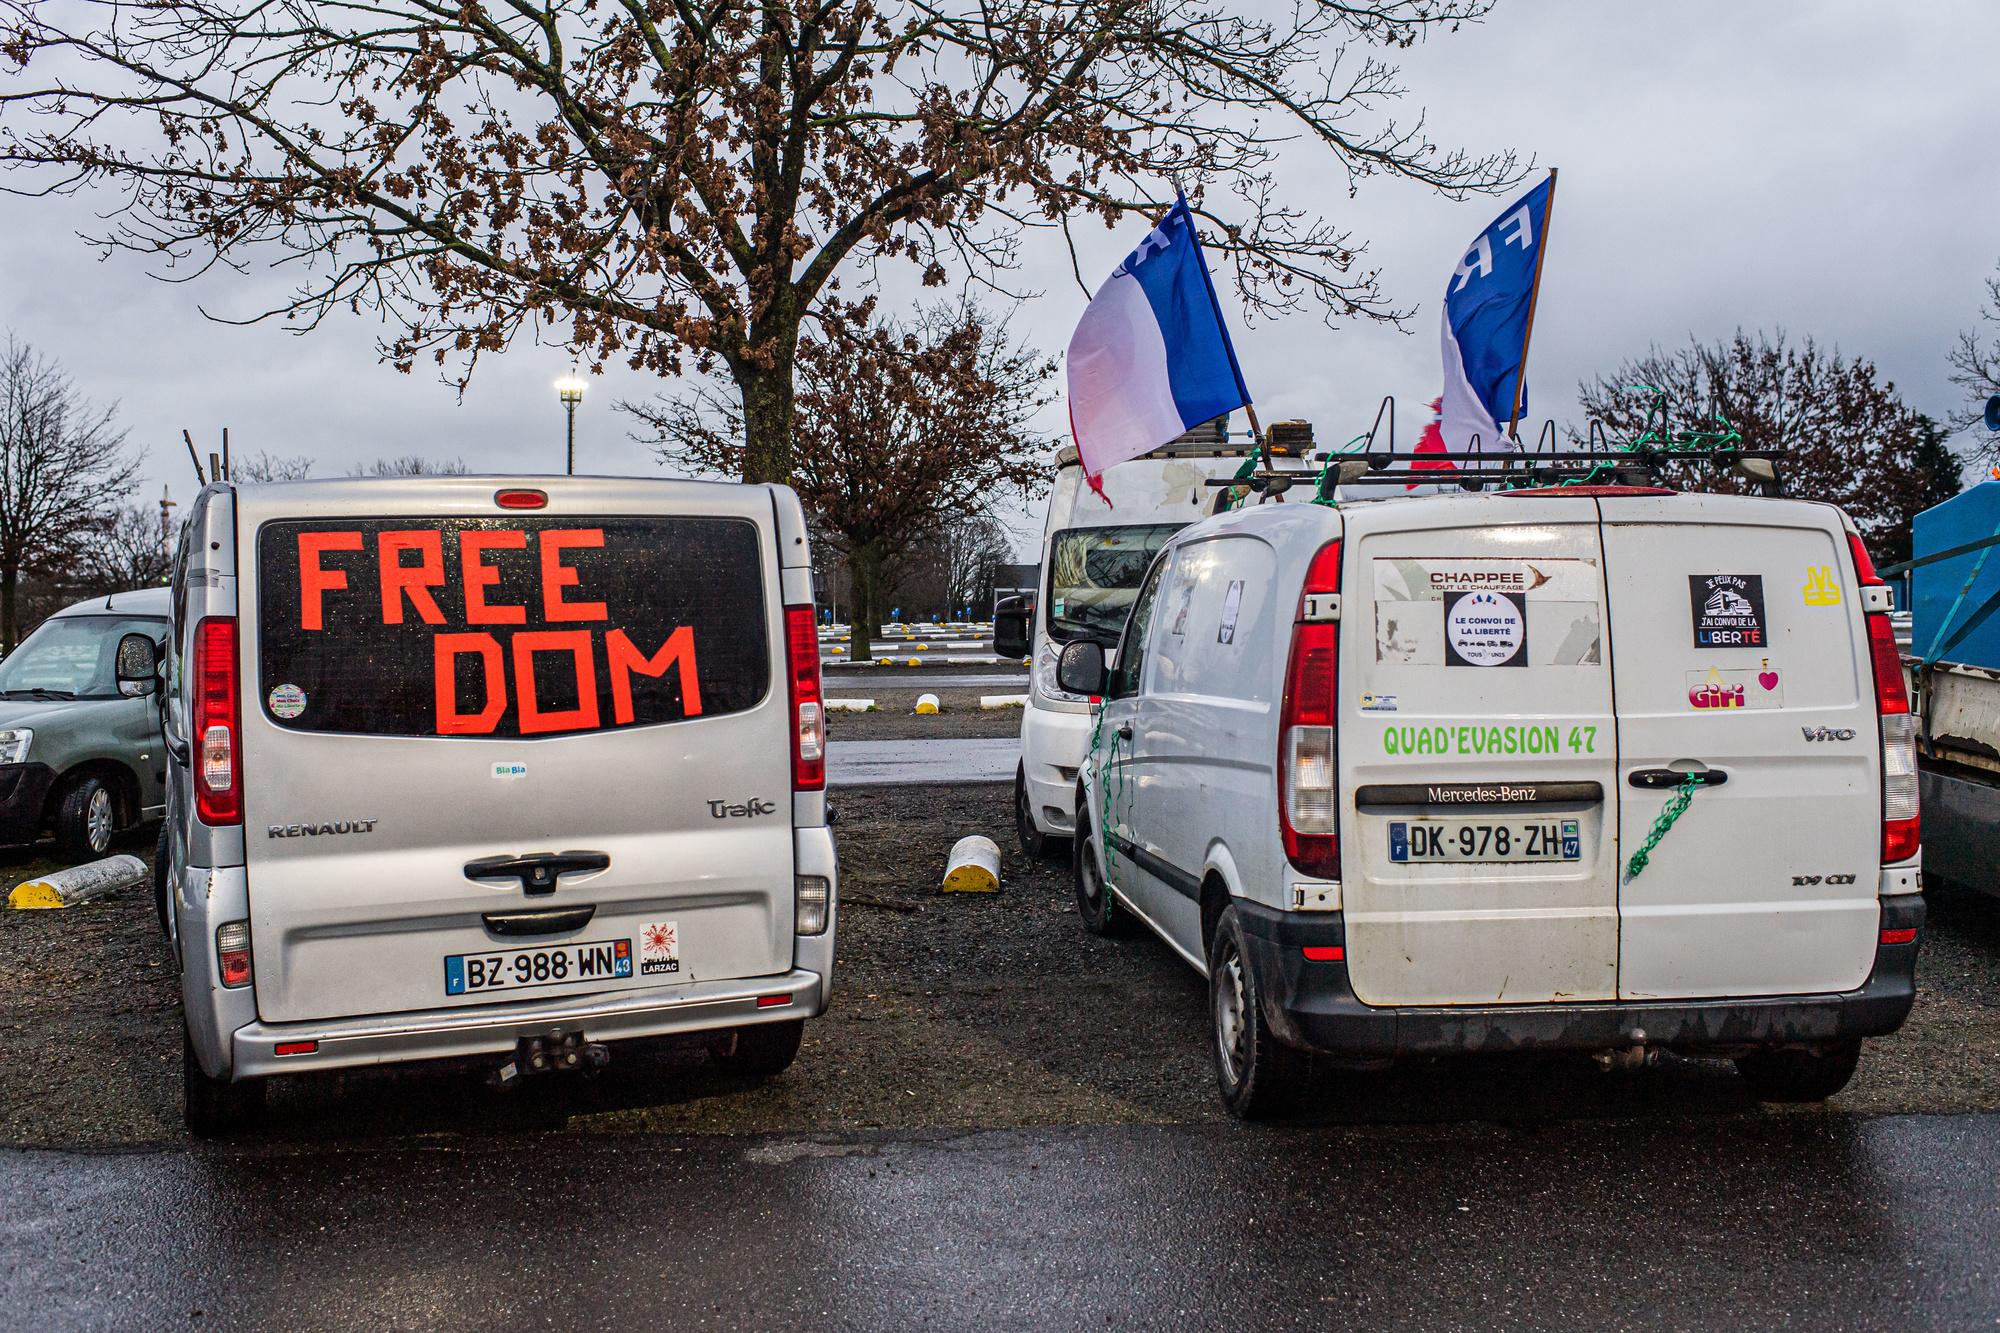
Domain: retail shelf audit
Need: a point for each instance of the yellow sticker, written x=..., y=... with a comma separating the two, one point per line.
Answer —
x=1821, y=588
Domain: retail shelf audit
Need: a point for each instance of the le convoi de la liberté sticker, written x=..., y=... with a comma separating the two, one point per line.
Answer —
x=1484, y=611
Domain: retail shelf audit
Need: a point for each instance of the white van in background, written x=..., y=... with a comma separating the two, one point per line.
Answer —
x=483, y=767
x=1095, y=549
x=1398, y=778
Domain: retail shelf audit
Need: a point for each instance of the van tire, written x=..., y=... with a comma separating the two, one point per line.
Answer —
x=86, y=818
x=762, y=1050
x=1034, y=842
x=214, y=1108
x=1258, y=1075
x=1800, y=1076
x=1095, y=906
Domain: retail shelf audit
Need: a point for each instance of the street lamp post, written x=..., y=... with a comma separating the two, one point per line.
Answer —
x=570, y=389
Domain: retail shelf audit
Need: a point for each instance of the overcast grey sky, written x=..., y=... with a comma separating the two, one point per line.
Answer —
x=1827, y=167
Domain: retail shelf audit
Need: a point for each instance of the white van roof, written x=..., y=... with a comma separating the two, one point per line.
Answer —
x=137, y=602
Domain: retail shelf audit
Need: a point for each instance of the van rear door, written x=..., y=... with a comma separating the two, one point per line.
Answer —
x=1738, y=646
x=1476, y=740
x=435, y=686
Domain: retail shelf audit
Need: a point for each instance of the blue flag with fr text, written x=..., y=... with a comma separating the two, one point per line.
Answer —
x=1485, y=331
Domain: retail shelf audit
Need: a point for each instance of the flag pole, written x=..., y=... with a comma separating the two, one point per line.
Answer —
x=1228, y=343
x=1534, y=294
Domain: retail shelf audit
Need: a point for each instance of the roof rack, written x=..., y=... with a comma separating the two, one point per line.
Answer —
x=1644, y=461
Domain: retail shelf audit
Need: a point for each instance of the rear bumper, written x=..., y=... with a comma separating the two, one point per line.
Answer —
x=443, y=1034
x=24, y=793
x=1312, y=1005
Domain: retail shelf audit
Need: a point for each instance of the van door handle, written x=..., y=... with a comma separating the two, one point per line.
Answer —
x=546, y=921
x=1657, y=778
x=537, y=871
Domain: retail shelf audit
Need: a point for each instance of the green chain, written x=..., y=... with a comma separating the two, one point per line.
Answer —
x=1683, y=795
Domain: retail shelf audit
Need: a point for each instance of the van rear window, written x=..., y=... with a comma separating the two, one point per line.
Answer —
x=511, y=626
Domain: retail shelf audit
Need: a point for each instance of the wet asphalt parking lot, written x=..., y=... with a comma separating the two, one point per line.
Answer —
x=1004, y=1122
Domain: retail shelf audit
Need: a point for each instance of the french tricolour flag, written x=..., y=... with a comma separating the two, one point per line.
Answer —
x=1150, y=358
x=1488, y=313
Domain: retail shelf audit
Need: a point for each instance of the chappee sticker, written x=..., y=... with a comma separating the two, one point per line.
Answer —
x=1478, y=611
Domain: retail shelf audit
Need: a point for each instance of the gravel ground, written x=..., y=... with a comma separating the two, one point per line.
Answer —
x=952, y=1011
x=895, y=718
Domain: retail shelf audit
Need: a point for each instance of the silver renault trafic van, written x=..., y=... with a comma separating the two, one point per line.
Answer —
x=1600, y=768
x=478, y=766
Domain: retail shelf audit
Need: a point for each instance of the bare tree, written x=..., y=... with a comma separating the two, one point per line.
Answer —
x=412, y=465
x=1847, y=437
x=1975, y=368
x=903, y=429
x=265, y=466
x=127, y=551
x=975, y=545
x=679, y=180
x=63, y=471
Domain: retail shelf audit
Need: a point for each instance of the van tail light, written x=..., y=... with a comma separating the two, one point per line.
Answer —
x=1900, y=819
x=232, y=953
x=218, y=723
x=808, y=710
x=1308, y=808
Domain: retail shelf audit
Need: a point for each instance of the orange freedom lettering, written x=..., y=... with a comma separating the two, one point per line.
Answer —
x=413, y=581
x=451, y=722
x=556, y=575
x=478, y=576
x=575, y=642
x=625, y=659
x=316, y=580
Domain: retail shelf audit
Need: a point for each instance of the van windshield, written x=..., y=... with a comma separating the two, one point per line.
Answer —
x=72, y=657
x=1094, y=573
x=516, y=626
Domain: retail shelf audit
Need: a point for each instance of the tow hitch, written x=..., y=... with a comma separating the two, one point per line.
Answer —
x=565, y=1051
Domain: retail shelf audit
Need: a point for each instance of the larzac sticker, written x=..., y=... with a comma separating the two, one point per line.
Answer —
x=287, y=701
x=1821, y=589
x=1372, y=702
x=1717, y=688
x=659, y=948
x=506, y=770
x=1490, y=739
x=1728, y=610
x=1488, y=611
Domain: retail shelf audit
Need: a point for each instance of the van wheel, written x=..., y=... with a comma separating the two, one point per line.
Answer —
x=214, y=1108
x=1033, y=841
x=1094, y=903
x=85, y=821
x=1800, y=1076
x=761, y=1050
x=1259, y=1075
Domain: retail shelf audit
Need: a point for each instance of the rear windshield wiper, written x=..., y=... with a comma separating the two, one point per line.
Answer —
x=39, y=692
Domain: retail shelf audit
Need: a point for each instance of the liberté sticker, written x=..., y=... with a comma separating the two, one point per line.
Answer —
x=1485, y=629
x=506, y=770
x=1821, y=589
x=287, y=701
x=1728, y=610
x=1717, y=688
x=659, y=948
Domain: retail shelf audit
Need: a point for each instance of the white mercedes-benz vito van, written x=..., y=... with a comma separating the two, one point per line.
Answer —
x=475, y=766
x=1402, y=778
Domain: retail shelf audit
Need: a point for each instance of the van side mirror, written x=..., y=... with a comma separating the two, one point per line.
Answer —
x=138, y=666
x=1013, y=627
x=1080, y=669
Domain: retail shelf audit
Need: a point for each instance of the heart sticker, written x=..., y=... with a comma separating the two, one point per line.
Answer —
x=1768, y=679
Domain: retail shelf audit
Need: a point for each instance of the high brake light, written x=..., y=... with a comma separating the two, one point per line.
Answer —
x=808, y=711
x=218, y=723
x=1308, y=808
x=1901, y=823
